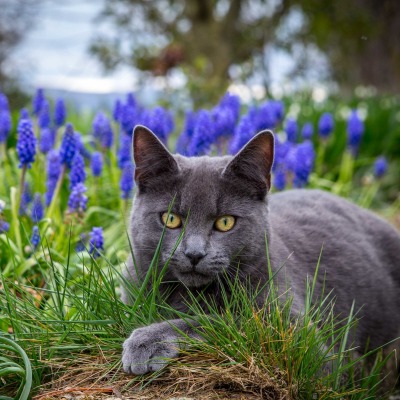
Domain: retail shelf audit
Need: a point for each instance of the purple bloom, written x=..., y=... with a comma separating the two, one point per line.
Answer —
x=160, y=122
x=37, y=208
x=4, y=103
x=26, y=143
x=127, y=181
x=35, y=238
x=60, y=113
x=224, y=121
x=96, y=241
x=26, y=198
x=46, y=142
x=77, y=173
x=355, y=130
x=68, y=146
x=380, y=167
x=38, y=101
x=203, y=134
x=102, y=130
x=125, y=151
x=187, y=133
x=44, y=115
x=77, y=201
x=96, y=163
x=325, y=125
x=281, y=152
x=231, y=102
x=128, y=117
x=130, y=100
x=291, y=130
x=5, y=125
x=24, y=114
x=81, y=245
x=245, y=130
x=304, y=164
x=279, y=110
x=265, y=117
x=117, y=110
x=53, y=173
x=4, y=226
x=307, y=131
x=280, y=179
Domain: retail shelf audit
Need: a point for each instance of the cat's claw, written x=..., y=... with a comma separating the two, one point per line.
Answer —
x=149, y=349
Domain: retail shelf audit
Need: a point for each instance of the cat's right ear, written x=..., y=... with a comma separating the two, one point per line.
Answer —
x=152, y=159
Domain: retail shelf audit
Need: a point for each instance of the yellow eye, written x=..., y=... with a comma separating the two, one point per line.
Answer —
x=171, y=220
x=225, y=223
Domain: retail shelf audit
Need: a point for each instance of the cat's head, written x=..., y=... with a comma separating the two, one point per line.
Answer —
x=220, y=202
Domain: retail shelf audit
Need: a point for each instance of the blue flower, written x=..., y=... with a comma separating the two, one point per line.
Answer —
x=291, y=130
x=96, y=163
x=160, y=122
x=128, y=117
x=125, y=150
x=355, y=130
x=265, y=117
x=47, y=138
x=325, y=125
x=117, y=110
x=77, y=173
x=37, y=102
x=96, y=241
x=224, y=121
x=60, y=113
x=26, y=144
x=127, y=181
x=24, y=114
x=102, y=130
x=380, y=167
x=304, y=164
x=44, y=115
x=203, y=134
x=4, y=106
x=35, y=238
x=68, y=146
x=307, y=131
x=37, y=208
x=77, y=201
x=4, y=226
x=26, y=198
x=279, y=110
x=244, y=131
x=5, y=125
x=187, y=133
x=53, y=173
x=280, y=178
x=231, y=102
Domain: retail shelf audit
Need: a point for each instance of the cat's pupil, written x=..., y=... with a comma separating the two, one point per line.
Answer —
x=171, y=218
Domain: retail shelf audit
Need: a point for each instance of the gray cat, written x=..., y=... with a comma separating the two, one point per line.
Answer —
x=230, y=212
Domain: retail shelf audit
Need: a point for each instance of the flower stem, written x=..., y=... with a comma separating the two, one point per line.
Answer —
x=21, y=186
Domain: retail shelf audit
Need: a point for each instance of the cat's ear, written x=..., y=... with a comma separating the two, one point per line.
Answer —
x=152, y=159
x=252, y=165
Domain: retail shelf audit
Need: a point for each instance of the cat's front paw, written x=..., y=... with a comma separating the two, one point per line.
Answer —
x=148, y=349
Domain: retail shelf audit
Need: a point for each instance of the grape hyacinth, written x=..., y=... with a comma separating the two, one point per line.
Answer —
x=127, y=181
x=26, y=198
x=77, y=201
x=46, y=141
x=117, y=110
x=44, y=115
x=37, y=208
x=4, y=106
x=35, y=238
x=124, y=151
x=307, y=131
x=102, y=130
x=23, y=114
x=96, y=241
x=265, y=117
x=291, y=130
x=26, y=143
x=96, y=163
x=68, y=146
x=243, y=133
x=203, y=134
x=304, y=162
x=160, y=122
x=231, y=102
x=53, y=173
x=37, y=102
x=279, y=178
x=186, y=136
x=279, y=110
x=4, y=226
x=380, y=167
x=355, y=130
x=77, y=173
x=325, y=125
x=5, y=118
x=60, y=113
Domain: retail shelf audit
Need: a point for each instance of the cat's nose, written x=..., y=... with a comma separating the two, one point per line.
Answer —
x=194, y=255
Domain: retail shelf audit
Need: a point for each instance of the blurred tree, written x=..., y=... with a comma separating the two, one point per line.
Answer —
x=359, y=37
x=211, y=39
x=204, y=37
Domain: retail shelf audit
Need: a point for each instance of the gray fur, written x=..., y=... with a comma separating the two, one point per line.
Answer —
x=360, y=258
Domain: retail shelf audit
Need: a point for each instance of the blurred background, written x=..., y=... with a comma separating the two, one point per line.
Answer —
x=92, y=51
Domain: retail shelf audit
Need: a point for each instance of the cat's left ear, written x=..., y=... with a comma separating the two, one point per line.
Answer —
x=152, y=159
x=252, y=165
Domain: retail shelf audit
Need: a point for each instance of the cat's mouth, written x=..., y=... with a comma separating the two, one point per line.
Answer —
x=195, y=277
